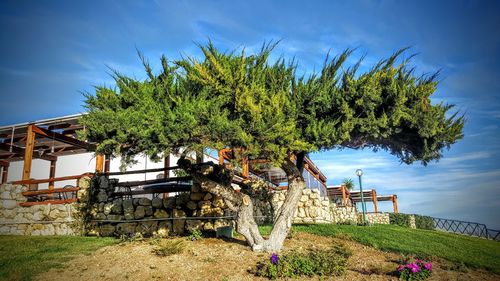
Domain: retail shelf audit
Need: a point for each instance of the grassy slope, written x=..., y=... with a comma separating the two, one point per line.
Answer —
x=474, y=252
x=22, y=257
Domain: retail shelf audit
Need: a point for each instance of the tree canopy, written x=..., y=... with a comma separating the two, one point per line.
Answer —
x=239, y=100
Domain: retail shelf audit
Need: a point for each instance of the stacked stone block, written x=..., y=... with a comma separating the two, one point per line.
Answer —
x=34, y=220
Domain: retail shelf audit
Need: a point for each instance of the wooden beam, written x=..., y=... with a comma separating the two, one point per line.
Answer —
x=46, y=202
x=49, y=191
x=53, y=179
x=28, y=152
x=137, y=183
x=374, y=199
x=16, y=150
x=63, y=138
x=59, y=126
x=395, y=203
x=99, y=163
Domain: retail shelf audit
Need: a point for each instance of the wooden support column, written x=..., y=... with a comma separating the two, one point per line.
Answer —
x=374, y=199
x=199, y=157
x=395, y=203
x=244, y=167
x=344, y=199
x=52, y=173
x=5, y=170
x=166, y=171
x=221, y=156
x=166, y=166
x=99, y=163
x=107, y=161
x=28, y=152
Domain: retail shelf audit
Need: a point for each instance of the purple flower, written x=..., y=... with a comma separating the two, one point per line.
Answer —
x=401, y=268
x=414, y=267
x=428, y=266
x=274, y=258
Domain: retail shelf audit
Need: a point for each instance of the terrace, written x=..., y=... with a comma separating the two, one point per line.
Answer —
x=51, y=139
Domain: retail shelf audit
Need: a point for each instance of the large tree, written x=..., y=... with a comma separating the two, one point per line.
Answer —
x=261, y=109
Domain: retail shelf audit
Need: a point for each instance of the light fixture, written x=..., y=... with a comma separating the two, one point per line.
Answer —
x=359, y=173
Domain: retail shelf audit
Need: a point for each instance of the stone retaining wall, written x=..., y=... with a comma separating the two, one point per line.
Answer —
x=195, y=210
x=34, y=220
x=375, y=218
x=310, y=209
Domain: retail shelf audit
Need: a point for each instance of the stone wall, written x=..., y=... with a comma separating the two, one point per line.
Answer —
x=375, y=218
x=344, y=214
x=188, y=211
x=412, y=222
x=35, y=220
x=310, y=209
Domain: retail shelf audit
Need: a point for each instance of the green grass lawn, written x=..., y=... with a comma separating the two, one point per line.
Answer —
x=22, y=257
x=473, y=252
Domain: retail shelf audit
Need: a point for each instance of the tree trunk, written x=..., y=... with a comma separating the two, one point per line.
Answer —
x=242, y=204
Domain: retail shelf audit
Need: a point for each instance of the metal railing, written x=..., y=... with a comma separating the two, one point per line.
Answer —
x=466, y=228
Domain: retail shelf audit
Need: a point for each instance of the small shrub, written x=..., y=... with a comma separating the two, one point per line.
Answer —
x=131, y=237
x=330, y=262
x=424, y=222
x=165, y=248
x=417, y=270
x=400, y=219
x=195, y=235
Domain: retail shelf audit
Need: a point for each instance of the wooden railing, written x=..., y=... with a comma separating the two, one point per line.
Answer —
x=51, y=191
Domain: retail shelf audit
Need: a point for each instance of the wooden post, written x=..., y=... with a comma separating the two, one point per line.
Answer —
x=28, y=152
x=199, y=157
x=395, y=203
x=99, y=163
x=5, y=171
x=221, y=156
x=374, y=199
x=166, y=171
x=344, y=199
x=166, y=165
x=52, y=173
x=107, y=160
x=244, y=167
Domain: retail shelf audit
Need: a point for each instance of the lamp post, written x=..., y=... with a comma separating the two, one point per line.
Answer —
x=359, y=173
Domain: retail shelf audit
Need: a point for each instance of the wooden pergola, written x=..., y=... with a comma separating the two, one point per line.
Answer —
x=350, y=197
x=46, y=139
x=276, y=175
x=371, y=196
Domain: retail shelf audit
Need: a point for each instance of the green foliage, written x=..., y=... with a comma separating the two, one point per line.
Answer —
x=399, y=219
x=329, y=262
x=194, y=235
x=471, y=251
x=168, y=247
x=240, y=100
x=349, y=183
x=23, y=257
x=131, y=237
x=424, y=222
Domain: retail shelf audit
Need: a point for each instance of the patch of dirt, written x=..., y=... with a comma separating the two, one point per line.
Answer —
x=215, y=259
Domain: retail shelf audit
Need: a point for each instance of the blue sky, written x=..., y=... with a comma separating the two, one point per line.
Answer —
x=51, y=51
